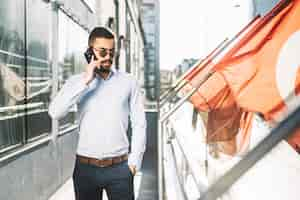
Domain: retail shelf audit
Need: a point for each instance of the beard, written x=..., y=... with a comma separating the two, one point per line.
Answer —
x=105, y=66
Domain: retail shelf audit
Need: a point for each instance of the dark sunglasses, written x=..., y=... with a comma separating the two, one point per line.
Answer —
x=104, y=52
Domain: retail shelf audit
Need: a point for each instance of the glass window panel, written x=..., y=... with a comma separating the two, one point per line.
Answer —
x=12, y=84
x=72, y=44
x=91, y=4
x=38, y=67
x=128, y=45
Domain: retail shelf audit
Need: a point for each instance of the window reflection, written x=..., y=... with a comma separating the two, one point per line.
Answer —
x=38, y=68
x=12, y=84
x=24, y=86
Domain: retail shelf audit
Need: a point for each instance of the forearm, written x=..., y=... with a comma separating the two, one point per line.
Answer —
x=138, y=147
x=66, y=98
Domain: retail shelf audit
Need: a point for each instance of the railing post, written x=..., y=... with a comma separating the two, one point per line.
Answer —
x=160, y=162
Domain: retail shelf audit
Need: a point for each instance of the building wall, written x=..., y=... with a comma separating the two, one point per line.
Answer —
x=262, y=7
x=41, y=46
x=150, y=20
x=165, y=80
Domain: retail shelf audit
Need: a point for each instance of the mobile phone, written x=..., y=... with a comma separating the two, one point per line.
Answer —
x=88, y=54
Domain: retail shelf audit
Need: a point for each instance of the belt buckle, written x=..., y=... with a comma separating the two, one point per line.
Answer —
x=105, y=162
x=100, y=165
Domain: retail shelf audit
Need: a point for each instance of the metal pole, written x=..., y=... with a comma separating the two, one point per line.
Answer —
x=181, y=85
x=177, y=105
x=165, y=94
x=160, y=162
x=190, y=70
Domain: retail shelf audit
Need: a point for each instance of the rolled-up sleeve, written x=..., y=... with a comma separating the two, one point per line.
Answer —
x=69, y=94
x=138, y=122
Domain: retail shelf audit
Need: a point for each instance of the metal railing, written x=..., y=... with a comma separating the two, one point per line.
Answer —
x=282, y=131
x=161, y=138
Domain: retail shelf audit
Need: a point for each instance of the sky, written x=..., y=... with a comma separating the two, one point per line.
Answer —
x=192, y=28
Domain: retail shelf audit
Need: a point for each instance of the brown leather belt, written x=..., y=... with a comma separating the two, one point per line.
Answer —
x=102, y=163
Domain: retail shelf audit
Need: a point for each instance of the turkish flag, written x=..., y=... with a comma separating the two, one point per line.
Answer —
x=264, y=74
x=263, y=77
x=207, y=96
x=227, y=123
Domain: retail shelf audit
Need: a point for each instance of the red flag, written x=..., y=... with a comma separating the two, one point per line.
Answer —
x=207, y=92
x=227, y=124
x=225, y=119
x=262, y=78
x=267, y=74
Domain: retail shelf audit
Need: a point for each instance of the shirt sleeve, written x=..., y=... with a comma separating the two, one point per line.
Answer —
x=69, y=95
x=138, y=121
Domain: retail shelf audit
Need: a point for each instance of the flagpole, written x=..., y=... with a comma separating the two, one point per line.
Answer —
x=190, y=70
x=182, y=82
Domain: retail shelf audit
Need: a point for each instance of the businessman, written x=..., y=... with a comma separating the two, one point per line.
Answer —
x=106, y=99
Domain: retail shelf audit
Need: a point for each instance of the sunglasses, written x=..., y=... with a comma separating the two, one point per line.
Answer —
x=103, y=52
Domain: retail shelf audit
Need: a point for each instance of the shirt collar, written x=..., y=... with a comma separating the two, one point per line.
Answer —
x=111, y=73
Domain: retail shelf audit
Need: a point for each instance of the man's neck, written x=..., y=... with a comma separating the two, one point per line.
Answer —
x=104, y=75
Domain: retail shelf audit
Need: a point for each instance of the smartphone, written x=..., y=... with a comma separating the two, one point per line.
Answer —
x=88, y=54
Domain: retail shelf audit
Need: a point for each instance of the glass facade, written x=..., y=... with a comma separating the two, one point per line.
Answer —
x=133, y=47
x=150, y=15
x=12, y=73
x=38, y=73
x=25, y=68
x=262, y=7
x=25, y=81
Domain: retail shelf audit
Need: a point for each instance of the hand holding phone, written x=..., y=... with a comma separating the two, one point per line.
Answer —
x=92, y=66
x=89, y=53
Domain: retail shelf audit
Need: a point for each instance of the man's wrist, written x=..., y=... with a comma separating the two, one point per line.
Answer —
x=86, y=80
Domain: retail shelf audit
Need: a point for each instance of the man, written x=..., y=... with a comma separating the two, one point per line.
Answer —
x=105, y=100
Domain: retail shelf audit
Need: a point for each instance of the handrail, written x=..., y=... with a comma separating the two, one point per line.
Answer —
x=282, y=131
x=179, y=187
x=201, y=187
x=160, y=134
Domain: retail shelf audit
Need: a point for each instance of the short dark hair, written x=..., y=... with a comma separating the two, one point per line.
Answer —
x=100, y=32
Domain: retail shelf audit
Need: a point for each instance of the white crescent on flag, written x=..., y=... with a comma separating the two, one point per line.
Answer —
x=287, y=67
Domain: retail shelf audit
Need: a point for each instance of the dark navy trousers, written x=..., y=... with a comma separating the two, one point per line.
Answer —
x=89, y=181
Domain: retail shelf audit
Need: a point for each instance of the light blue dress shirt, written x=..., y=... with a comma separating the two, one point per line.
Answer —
x=104, y=107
